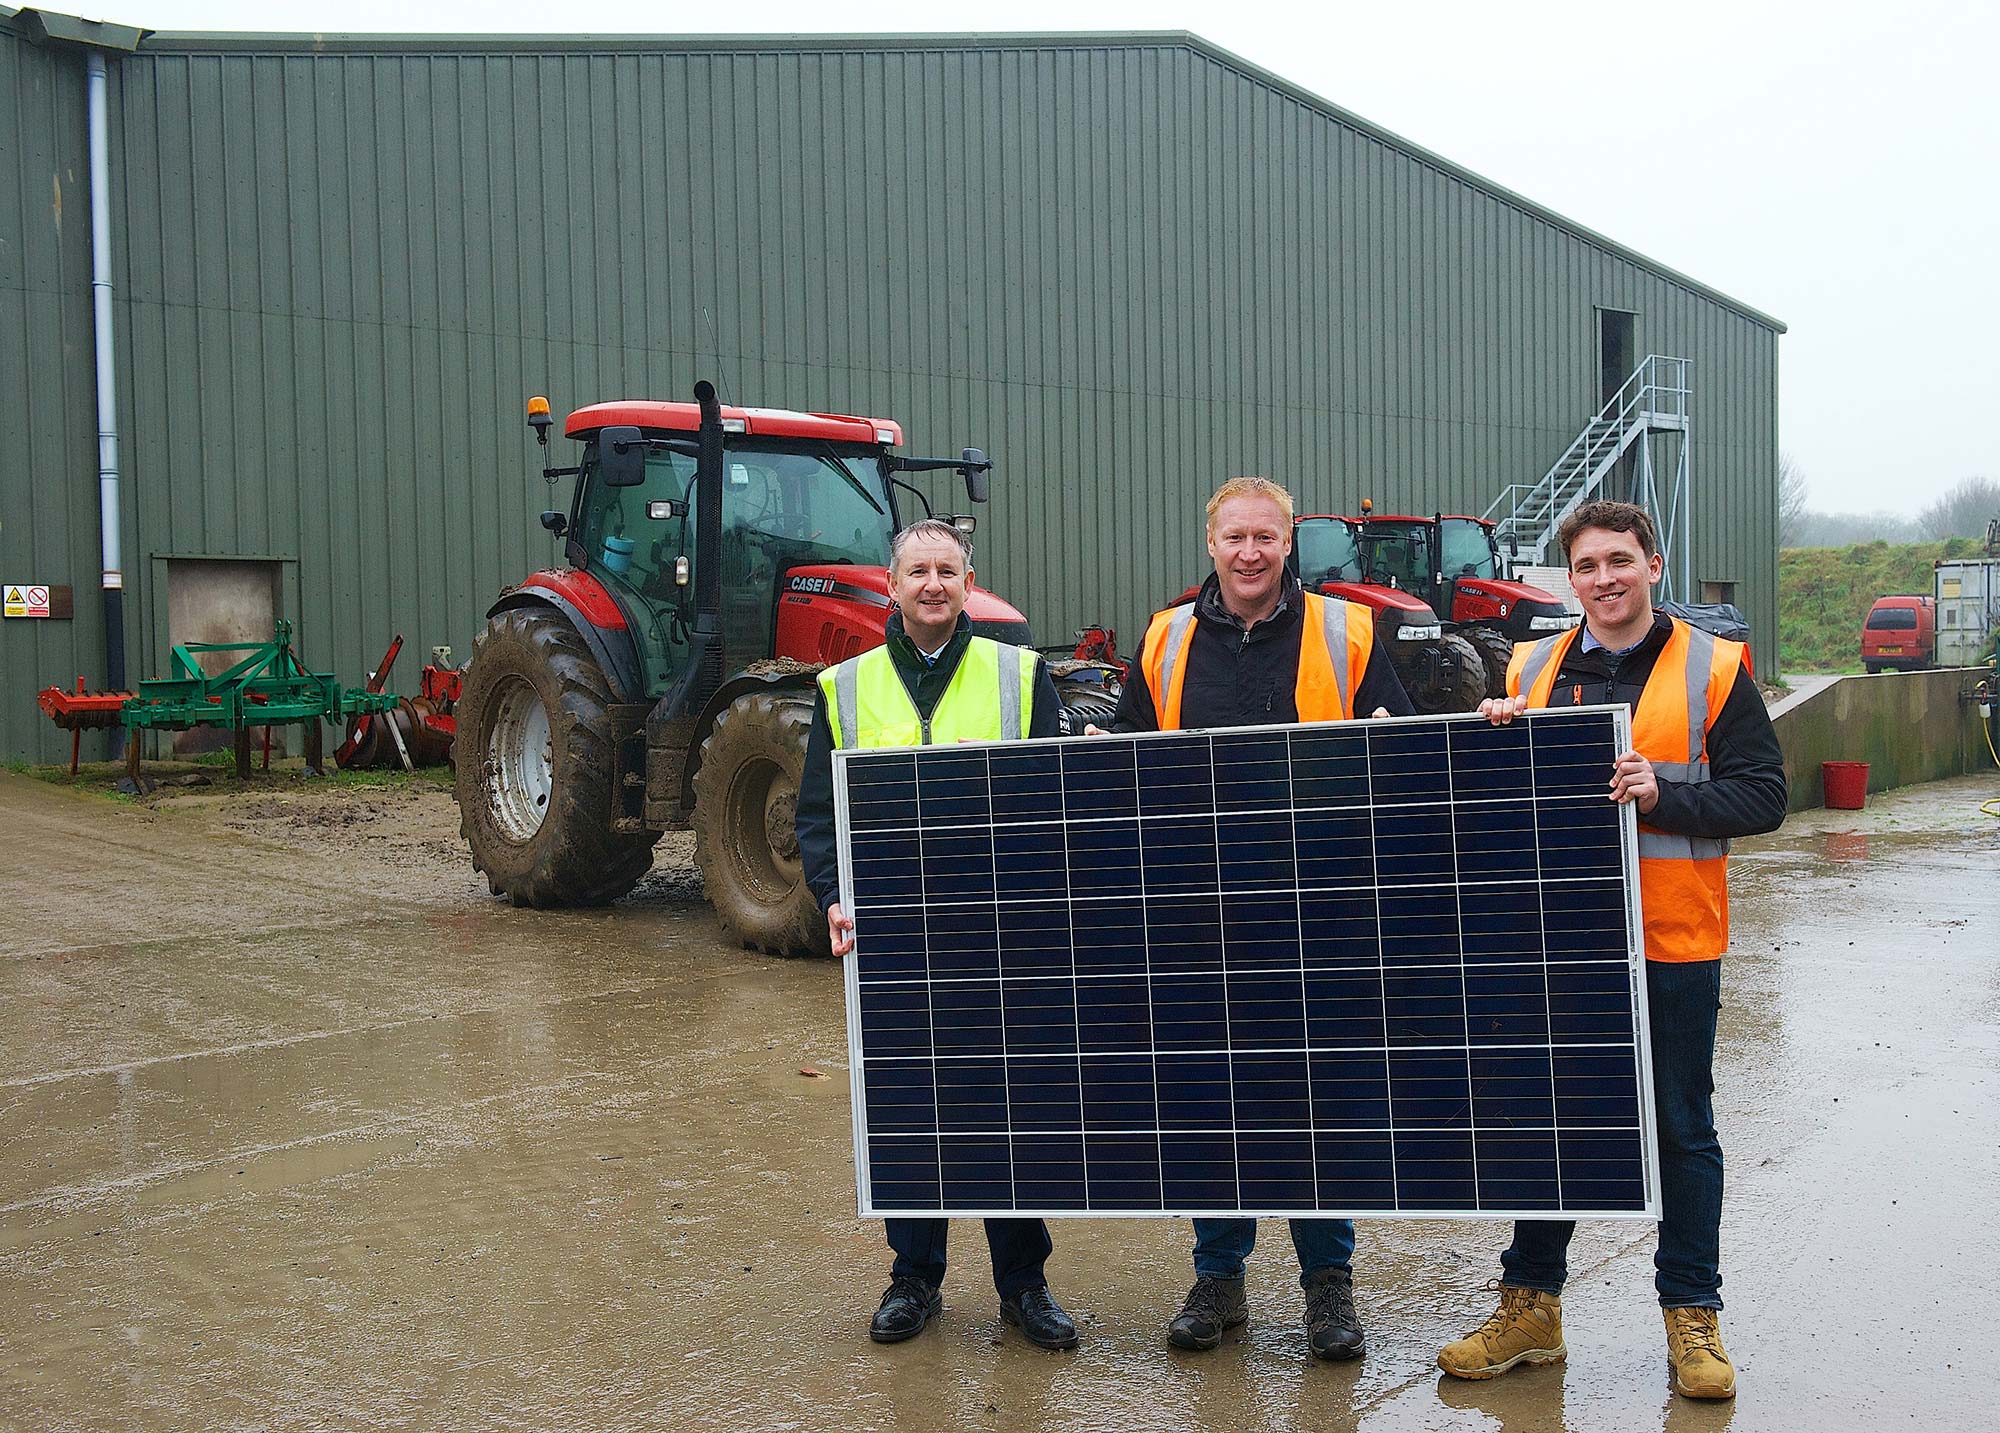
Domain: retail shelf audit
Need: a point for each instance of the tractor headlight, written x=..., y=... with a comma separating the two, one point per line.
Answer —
x=1561, y=622
x=1419, y=634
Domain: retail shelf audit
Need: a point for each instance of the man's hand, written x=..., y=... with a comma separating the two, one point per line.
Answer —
x=839, y=929
x=1501, y=710
x=1379, y=712
x=1091, y=728
x=1632, y=780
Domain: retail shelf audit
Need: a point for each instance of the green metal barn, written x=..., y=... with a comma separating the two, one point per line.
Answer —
x=1127, y=266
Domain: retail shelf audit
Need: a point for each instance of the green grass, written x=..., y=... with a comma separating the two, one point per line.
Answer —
x=101, y=778
x=1824, y=592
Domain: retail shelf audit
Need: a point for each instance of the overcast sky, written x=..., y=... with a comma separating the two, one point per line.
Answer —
x=1832, y=164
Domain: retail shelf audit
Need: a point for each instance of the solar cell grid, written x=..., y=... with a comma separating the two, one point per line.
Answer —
x=1373, y=968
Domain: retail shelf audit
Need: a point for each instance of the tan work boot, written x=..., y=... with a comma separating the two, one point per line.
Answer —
x=1694, y=1349
x=1526, y=1328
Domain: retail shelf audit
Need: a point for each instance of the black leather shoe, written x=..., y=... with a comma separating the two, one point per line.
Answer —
x=907, y=1305
x=1040, y=1318
x=1212, y=1306
x=1333, y=1329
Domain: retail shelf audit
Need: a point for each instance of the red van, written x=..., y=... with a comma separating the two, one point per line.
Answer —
x=1900, y=634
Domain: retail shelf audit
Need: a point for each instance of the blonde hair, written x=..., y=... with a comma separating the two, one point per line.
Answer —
x=1250, y=488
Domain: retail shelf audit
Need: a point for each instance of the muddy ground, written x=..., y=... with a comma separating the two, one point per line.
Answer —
x=304, y=1130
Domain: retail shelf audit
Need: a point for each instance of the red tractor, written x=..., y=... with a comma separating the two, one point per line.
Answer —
x=1442, y=671
x=1455, y=562
x=717, y=559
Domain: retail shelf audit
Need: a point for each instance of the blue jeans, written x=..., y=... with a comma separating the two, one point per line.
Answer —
x=1682, y=1000
x=1221, y=1246
x=1019, y=1246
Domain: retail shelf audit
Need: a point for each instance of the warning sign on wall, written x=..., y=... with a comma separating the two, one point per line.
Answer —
x=25, y=599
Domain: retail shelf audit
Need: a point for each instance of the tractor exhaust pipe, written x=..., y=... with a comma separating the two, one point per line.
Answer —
x=705, y=666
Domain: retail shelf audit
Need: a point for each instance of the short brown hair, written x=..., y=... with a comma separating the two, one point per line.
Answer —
x=929, y=527
x=1251, y=488
x=1610, y=517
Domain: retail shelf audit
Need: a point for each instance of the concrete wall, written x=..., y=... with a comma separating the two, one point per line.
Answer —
x=1908, y=727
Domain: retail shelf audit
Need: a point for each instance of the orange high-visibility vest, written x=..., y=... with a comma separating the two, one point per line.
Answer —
x=1334, y=645
x=1683, y=880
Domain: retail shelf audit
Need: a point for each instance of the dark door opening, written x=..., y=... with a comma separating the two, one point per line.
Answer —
x=1616, y=352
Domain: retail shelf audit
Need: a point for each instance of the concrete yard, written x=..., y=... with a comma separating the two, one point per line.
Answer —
x=304, y=1130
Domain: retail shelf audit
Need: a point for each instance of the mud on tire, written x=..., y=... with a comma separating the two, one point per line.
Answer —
x=1464, y=686
x=1497, y=652
x=746, y=795
x=535, y=770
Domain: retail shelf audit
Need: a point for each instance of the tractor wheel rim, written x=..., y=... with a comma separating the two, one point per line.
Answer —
x=760, y=792
x=520, y=760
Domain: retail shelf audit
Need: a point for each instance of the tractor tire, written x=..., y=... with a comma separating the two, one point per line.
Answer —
x=1085, y=703
x=746, y=797
x=1497, y=652
x=1463, y=686
x=534, y=767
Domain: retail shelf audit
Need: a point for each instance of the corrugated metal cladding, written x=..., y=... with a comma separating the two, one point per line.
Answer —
x=1128, y=267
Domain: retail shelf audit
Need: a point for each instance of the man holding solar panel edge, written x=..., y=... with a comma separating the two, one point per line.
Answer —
x=1706, y=768
x=932, y=682
x=1255, y=649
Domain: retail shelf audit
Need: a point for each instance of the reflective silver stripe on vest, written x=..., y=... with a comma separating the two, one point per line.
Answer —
x=847, y=704
x=1701, y=656
x=1334, y=621
x=1010, y=692
x=1686, y=772
x=1170, y=656
x=1664, y=846
x=1544, y=651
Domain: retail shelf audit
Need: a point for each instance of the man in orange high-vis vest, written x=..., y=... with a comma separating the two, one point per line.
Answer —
x=1704, y=767
x=1254, y=649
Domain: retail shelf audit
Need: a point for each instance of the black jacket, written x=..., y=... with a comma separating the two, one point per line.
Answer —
x=1251, y=678
x=1745, y=793
x=818, y=846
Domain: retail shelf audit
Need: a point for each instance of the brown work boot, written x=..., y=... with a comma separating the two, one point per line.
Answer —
x=1694, y=1350
x=1526, y=1328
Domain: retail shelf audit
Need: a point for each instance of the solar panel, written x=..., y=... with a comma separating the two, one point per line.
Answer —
x=1374, y=968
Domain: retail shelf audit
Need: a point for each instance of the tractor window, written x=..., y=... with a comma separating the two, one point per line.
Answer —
x=621, y=541
x=1326, y=551
x=1468, y=550
x=1399, y=557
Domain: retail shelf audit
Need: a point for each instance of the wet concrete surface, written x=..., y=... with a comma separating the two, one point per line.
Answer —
x=303, y=1130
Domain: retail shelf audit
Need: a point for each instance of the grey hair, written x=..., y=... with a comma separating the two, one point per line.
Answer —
x=929, y=527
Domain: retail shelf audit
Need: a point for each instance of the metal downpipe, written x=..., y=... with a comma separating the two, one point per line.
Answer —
x=112, y=578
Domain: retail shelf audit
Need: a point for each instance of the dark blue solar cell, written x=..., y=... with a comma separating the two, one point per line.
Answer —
x=903, y=1172
x=958, y=865
x=1501, y=925
x=1597, y=1086
x=1252, y=773
x=1041, y=1016
x=1027, y=783
x=964, y=942
x=1601, y=1169
x=1124, y=1171
x=1496, y=843
x=1190, y=1012
x=1434, y=1169
x=1425, y=1007
x=1194, y=1091
x=1329, y=768
x=889, y=943
x=1031, y=861
x=1517, y=1169
x=1256, y=854
x=1350, y=1089
x=886, y=782
x=972, y=1094
x=885, y=868
x=1344, y=1009
x=1579, y=838
x=1103, y=856
x=1429, y=1089
x=1108, y=936
x=1407, y=763
x=1275, y=1168
x=1266, y=1009
x=896, y=1020
x=1573, y=756
x=1506, y=1005
x=1199, y=1170
x=1586, y=920
x=1034, y=939
x=1418, y=928
x=1490, y=762
x=1336, y=849
x=952, y=786
x=1339, y=931
x=1413, y=846
x=1260, y=932
x=1589, y=1002
x=902, y=1096
x=1048, y=1171
x=1180, y=853
x=1118, y=1094
x=1045, y=1094
x=965, y=1017
x=1114, y=1013
x=1355, y=1170
x=1512, y=1088
x=1175, y=776
x=1101, y=778
x=977, y=1171
x=1272, y=1092
x=1185, y=934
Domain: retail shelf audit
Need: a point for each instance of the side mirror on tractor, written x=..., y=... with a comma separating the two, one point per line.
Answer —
x=621, y=457
x=978, y=474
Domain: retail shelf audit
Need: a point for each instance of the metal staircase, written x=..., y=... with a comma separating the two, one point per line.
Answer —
x=1653, y=400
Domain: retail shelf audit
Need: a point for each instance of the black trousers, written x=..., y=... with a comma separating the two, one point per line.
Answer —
x=1020, y=1247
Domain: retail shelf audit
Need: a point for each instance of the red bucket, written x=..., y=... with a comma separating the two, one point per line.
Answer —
x=1846, y=784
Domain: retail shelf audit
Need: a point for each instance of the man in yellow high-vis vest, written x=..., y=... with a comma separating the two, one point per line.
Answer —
x=933, y=681
x=1254, y=649
x=1704, y=767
